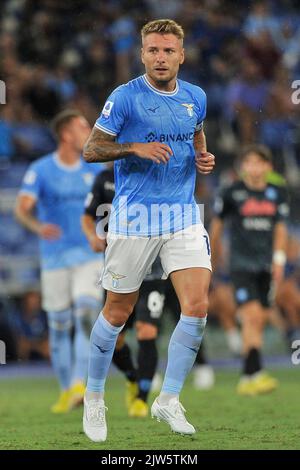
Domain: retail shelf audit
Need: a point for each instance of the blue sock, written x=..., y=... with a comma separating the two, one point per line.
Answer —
x=102, y=344
x=86, y=309
x=183, y=347
x=60, y=324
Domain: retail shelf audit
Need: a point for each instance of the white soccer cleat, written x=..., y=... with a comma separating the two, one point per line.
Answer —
x=173, y=414
x=94, y=423
x=204, y=377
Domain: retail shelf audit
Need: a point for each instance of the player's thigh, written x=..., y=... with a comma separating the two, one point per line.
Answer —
x=85, y=280
x=150, y=305
x=56, y=289
x=127, y=262
x=188, y=248
x=191, y=286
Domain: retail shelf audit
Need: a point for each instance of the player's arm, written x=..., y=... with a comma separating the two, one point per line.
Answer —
x=101, y=147
x=89, y=229
x=279, y=251
x=205, y=161
x=215, y=235
x=88, y=219
x=24, y=212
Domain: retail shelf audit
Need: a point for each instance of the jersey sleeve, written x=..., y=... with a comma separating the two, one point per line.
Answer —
x=32, y=183
x=115, y=112
x=283, y=209
x=200, y=108
x=223, y=204
x=94, y=198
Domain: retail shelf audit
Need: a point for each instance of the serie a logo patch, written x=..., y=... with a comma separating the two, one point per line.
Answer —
x=107, y=108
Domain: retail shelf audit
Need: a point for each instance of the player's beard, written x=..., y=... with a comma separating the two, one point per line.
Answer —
x=161, y=81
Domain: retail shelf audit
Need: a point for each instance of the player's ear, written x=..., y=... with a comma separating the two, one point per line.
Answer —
x=142, y=55
x=181, y=56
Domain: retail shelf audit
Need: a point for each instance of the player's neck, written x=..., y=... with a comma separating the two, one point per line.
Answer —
x=67, y=155
x=258, y=184
x=163, y=86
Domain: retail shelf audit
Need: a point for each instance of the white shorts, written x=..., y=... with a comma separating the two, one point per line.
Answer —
x=129, y=259
x=62, y=287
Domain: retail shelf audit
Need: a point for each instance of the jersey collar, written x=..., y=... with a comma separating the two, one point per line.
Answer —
x=76, y=166
x=160, y=92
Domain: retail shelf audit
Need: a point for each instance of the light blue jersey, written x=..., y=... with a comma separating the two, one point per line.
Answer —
x=60, y=191
x=152, y=199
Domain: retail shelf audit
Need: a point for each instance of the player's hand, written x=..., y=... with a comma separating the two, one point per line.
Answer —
x=97, y=244
x=49, y=232
x=205, y=162
x=155, y=151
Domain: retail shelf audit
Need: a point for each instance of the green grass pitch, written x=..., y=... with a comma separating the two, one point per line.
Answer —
x=223, y=420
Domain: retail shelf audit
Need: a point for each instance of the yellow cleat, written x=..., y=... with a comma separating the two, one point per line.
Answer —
x=260, y=383
x=245, y=387
x=77, y=392
x=131, y=393
x=264, y=383
x=139, y=409
x=63, y=403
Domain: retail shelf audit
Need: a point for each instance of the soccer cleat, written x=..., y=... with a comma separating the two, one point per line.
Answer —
x=94, y=423
x=173, y=414
x=204, y=377
x=246, y=387
x=258, y=384
x=264, y=383
x=63, y=403
x=77, y=392
x=139, y=409
x=131, y=393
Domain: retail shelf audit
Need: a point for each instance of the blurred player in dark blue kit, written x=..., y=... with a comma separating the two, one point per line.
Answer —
x=257, y=212
x=152, y=128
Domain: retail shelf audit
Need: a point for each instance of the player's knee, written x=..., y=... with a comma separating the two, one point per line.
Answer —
x=255, y=319
x=196, y=307
x=145, y=331
x=117, y=313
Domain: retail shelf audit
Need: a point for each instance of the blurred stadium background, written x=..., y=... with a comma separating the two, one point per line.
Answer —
x=72, y=53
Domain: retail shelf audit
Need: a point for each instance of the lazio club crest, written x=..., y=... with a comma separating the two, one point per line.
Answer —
x=189, y=107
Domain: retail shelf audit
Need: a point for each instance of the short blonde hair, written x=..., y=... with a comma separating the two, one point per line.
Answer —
x=164, y=26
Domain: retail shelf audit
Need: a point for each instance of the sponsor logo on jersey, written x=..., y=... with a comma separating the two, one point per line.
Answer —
x=189, y=107
x=253, y=207
x=107, y=108
x=152, y=137
x=257, y=223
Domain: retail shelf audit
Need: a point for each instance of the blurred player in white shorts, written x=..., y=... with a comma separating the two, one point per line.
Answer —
x=56, y=187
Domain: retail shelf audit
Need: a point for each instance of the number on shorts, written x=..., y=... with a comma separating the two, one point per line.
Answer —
x=155, y=304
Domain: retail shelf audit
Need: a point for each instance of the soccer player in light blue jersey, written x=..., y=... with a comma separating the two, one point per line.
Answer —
x=56, y=187
x=152, y=128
